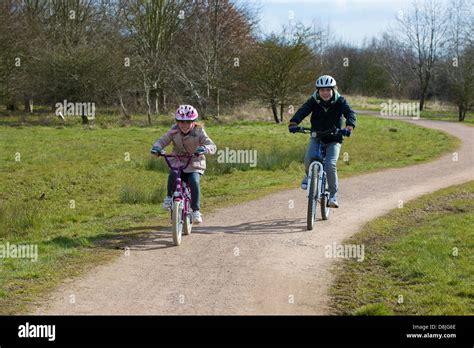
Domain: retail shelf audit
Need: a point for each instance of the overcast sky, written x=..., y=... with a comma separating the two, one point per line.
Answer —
x=349, y=20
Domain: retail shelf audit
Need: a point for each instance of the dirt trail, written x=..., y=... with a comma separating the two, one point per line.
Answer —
x=256, y=257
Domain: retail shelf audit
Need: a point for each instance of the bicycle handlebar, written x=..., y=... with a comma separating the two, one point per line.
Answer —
x=163, y=154
x=176, y=156
x=319, y=134
x=186, y=158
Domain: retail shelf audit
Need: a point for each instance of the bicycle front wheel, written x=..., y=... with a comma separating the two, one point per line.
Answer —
x=177, y=222
x=188, y=222
x=312, y=202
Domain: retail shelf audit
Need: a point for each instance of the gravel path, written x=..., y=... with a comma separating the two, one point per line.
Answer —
x=256, y=257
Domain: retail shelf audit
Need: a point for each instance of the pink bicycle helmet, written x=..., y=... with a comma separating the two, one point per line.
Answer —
x=186, y=113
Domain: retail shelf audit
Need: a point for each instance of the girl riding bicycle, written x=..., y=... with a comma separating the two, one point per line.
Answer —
x=327, y=107
x=188, y=137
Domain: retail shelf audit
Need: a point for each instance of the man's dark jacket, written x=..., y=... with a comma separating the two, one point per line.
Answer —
x=326, y=115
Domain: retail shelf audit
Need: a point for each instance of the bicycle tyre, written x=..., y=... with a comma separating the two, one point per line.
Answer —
x=312, y=202
x=325, y=210
x=187, y=223
x=177, y=222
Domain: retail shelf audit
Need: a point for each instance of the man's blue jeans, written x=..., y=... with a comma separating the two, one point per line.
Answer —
x=192, y=180
x=332, y=154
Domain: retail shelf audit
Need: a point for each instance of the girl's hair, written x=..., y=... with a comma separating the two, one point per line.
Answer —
x=196, y=124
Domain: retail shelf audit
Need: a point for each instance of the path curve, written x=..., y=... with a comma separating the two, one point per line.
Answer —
x=256, y=257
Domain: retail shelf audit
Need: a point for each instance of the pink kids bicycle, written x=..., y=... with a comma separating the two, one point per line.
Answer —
x=181, y=219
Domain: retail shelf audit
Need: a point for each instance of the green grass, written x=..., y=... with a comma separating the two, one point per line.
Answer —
x=75, y=194
x=451, y=116
x=419, y=260
x=365, y=103
x=433, y=110
x=20, y=217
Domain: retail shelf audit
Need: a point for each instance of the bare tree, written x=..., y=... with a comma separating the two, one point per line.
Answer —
x=421, y=34
x=8, y=53
x=282, y=67
x=152, y=25
x=460, y=56
x=320, y=41
x=215, y=33
x=391, y=59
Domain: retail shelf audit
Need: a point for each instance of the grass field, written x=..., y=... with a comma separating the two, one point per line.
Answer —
x=419, y=260
x=77, y=193
x=433, y=110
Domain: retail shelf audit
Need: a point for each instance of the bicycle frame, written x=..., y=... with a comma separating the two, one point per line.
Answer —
x=321, y=156
x=316, y=190
x=179, y=193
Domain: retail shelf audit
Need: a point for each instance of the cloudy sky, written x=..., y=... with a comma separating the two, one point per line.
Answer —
x=349, y=20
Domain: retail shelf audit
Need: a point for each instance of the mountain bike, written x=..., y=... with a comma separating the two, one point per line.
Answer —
x=317, y=190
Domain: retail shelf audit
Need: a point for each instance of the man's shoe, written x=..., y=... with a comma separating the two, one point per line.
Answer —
x=333, y=203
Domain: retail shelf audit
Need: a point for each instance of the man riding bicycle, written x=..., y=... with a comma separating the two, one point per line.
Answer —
x=327, y=107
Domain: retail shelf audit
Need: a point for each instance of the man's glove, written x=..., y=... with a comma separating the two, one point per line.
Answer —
x=292, y=127
x=156, y=150
x=346, y=131
x=200, y=150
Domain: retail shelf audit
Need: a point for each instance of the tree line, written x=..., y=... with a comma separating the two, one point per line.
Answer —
x=149, y=55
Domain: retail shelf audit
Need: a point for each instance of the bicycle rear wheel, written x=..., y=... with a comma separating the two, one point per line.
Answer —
x=325, y=210
x=187, y=220
x=312, y=202
x=177, y=222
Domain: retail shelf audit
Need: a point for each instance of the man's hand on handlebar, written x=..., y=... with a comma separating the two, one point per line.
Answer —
x=293, y=127
x=346, y=131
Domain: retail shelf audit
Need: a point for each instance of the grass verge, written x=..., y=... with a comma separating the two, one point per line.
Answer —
x=419, y=260
x=433, y=110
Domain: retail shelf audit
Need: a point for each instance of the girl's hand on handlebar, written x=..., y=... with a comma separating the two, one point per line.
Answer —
x=200, y=150
x=156, y=150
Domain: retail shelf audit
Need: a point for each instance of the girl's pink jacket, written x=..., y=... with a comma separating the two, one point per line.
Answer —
x=186, y=145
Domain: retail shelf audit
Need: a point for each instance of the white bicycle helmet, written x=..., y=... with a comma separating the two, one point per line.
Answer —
x=186, y=113
x=325, y=81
